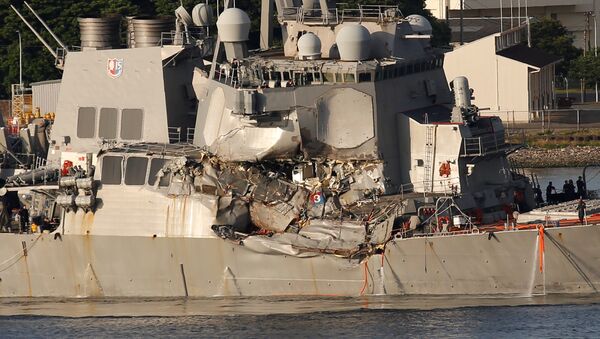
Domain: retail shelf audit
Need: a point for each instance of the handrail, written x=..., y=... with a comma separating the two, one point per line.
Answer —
x=190, y=134
x=478, y=146
x=174, y=135
x=411, y=187
x=336, y=15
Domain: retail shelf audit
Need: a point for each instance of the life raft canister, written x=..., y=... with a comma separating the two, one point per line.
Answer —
x=443, y=220
x=445, y=169
x=67, y=165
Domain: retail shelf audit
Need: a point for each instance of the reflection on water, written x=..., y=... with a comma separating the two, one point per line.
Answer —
x=261, y=305
x=414, y=316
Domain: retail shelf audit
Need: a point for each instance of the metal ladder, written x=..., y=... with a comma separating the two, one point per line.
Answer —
x=428, y=164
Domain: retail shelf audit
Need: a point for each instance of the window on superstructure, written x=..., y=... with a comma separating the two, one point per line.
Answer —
x=112, y=168
x=107, y=126
x=86, y=122
x=364, y=77
x=317, y=77
x=309, y=78
x=286, y=76
x=135, y=170
x=299, y=79
x=328, y=77
x=156, y=165
x=349, y=77
x=131, y=123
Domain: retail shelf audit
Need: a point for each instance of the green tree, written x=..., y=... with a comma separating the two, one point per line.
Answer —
x=552, y=37
x=586, y=67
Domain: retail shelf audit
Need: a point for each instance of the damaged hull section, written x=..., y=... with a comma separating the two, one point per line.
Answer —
x=471, y=264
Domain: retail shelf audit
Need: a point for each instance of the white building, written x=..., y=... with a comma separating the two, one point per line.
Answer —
x=508, y=78
x=482, y=17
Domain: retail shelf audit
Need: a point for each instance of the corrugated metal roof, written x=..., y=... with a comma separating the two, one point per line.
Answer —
x=57, y=81
x=45, y=95
x=531, y=56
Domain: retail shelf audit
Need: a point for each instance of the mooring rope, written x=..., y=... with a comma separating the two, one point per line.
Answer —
x=16, y=257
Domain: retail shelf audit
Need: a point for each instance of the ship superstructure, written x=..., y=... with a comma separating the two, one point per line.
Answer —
x=343, y=164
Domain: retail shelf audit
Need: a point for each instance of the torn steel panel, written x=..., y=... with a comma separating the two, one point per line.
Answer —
x=233, y=212
x=277, y=217
x=299, y=245
x=269, y=218
x=349, y=234
x=234, y=180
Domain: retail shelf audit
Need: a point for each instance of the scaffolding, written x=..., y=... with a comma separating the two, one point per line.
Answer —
x=21, y=102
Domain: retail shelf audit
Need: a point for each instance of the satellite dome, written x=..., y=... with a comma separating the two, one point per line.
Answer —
x=309, y=46
x=233, y=25
x=419, y=24
x=182, y=14
x=354, y=42
x=202, y=15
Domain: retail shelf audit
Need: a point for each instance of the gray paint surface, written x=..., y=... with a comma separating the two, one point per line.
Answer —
x=87, y=266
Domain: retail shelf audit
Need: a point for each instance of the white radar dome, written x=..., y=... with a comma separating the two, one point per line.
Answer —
x=419, y=24
x=233, y=25
x=202, y=15
x=309, y=46
x=354, y=42
x=182, y=14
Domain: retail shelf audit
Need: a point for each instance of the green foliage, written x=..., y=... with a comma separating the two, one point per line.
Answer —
x=586, y=67
x=62, y=16
x=552, y=37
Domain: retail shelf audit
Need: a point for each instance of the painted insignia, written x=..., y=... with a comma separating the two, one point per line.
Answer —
x=114, y=67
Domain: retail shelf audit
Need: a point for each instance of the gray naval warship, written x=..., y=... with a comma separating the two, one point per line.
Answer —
x=342, y=164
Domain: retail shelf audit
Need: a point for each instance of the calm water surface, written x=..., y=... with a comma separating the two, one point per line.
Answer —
x=559, y=175
x=535, y=317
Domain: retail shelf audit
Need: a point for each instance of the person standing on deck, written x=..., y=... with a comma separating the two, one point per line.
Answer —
x=4, y=218
x=581, y=188
x=24, y=219
x=581, y=210
x=571, y=195
x=549, y=190
x=539, y=200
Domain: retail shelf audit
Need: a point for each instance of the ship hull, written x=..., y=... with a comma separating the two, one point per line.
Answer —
x=470, y=264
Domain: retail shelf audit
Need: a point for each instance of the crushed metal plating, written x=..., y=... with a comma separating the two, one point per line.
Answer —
x=262, y=201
